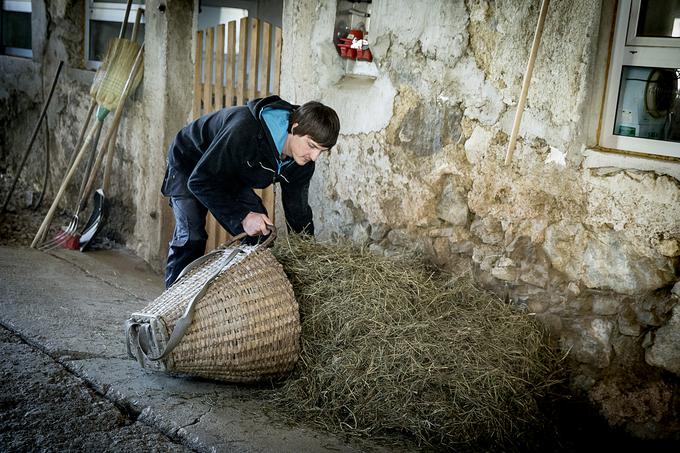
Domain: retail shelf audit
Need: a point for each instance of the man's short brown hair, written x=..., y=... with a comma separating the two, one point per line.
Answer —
x=318, y=121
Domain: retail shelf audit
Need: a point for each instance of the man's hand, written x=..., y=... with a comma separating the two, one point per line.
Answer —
x=255, y=224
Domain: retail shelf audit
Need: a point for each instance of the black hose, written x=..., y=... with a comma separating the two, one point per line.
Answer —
x=43, y=113
x=47, y=166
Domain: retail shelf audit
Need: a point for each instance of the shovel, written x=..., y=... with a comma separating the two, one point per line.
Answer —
x=100, y=214
x=100, y=209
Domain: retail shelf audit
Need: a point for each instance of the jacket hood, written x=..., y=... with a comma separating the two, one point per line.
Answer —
x=256, y=105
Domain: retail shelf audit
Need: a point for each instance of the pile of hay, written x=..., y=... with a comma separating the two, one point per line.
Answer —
x=389, y=346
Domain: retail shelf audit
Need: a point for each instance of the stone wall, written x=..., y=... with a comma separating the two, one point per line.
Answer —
x=592, y=250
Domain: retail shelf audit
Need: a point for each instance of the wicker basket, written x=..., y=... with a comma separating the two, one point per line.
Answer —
x=232, y=314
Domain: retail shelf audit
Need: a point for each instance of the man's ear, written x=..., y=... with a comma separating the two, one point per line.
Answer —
x=292, y=128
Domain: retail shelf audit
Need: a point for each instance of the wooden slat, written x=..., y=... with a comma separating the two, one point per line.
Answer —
x=196, y=108
x=268, y=196
x=209, y=223
x=215, y=230
x=242, y=59
x=212, y=228
x=253, y=57
x=278, y=41
x=223, y=236
x=268, y=200
x=231, y=62
x=266, y=59
x=207, y=80
x=219, y=70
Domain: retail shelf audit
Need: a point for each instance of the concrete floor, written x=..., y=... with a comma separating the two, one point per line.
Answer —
x=73, y=306
x=44, y=407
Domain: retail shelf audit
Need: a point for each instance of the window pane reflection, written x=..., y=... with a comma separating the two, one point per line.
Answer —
x=648, y=104
x=16, y=29
x=100, y=34
x=659, y=19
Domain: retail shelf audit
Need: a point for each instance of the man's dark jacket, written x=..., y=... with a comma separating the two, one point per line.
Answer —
x=220, y=157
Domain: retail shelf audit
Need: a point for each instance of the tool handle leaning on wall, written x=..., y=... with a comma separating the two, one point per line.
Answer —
x=527, y=80
x=33, y=136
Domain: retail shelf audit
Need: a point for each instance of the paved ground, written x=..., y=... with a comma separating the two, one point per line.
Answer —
x=44, y=407
x=68, y=309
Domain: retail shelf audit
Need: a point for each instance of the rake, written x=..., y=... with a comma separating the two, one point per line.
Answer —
x=112, y=93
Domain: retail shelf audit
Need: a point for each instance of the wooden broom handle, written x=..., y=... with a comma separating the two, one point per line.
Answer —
x=123, y=26
x=527, y=79
x=135, y=28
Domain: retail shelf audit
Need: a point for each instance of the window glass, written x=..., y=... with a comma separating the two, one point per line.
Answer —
x=648, y=103
x=16, y=29
x=104, y=19
x=101, y=32
x=659, y=19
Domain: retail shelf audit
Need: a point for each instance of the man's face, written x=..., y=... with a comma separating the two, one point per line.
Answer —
x=302, y=148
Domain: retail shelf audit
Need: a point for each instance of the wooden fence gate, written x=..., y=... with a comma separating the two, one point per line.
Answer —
x=224, y=82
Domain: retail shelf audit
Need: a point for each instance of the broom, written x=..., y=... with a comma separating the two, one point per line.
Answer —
x=138, y=77
x=121, y=77
x=97, y=81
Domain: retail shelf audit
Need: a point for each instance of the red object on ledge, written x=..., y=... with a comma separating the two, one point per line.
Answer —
x=358, y=34
x=345, y=48
x=365, y=55
x=346, y=51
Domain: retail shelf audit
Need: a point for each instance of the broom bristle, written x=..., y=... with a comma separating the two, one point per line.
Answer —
x=122, y=60
x=101, y=71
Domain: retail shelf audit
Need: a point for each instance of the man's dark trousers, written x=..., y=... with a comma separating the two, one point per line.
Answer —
x=189, y=239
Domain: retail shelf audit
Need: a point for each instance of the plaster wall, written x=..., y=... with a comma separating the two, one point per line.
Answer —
x=576, y=237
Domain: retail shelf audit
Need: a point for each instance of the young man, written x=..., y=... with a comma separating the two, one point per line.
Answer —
x=216, y=161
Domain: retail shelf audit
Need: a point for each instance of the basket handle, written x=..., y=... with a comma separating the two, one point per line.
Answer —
x=238, y=237
x=270, y=238
x=198, y=261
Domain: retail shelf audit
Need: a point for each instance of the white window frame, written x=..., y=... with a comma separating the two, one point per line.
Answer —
x=105, y=12
x=630, y=50
x=19, y=6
